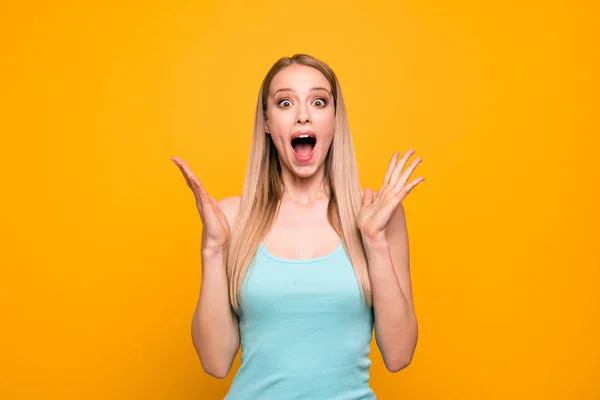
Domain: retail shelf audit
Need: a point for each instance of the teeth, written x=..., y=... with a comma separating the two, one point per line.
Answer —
x=305, y=135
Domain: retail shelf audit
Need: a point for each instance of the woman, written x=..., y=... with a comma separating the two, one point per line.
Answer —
x=303, y=265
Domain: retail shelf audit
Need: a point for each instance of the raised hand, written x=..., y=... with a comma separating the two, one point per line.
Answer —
x=215, y=231
x=377, y=210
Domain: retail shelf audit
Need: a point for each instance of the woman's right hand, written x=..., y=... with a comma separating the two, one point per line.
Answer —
x=215, y=231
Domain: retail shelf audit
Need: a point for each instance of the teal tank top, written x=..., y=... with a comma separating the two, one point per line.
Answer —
x=305, y=330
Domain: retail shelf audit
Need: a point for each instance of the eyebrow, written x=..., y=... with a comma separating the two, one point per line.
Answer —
x=292, y=90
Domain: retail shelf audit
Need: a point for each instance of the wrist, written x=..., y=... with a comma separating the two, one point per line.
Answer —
x=375, y=242
x=213, y=251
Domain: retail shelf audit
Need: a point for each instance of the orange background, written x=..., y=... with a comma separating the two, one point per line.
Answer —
x=100, y=235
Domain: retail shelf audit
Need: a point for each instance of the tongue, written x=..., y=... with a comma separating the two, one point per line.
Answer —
x=303, y=149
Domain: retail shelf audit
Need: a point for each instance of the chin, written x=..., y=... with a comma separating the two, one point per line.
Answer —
x=305, y=174
x=305, y=170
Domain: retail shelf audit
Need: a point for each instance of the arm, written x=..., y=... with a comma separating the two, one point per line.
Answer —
x=382, y=224
x=215, y=329
x=396, y=329
x=215, y=332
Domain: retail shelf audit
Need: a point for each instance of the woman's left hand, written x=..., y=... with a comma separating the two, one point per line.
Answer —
x=377, y=209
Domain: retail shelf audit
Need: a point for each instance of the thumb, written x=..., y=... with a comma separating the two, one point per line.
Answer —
x=368, y=196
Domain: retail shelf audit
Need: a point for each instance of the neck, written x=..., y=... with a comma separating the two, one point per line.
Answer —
x=304, y=190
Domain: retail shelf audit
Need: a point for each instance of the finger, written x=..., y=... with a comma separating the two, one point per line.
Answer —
x=189, y=177
x=388, y=173
x=200, y=193
x=380, y=196
x=193, y=180
x=188, y=172
x=412, y=184
x=368, y=196
x=179, y=163
x=185, y=169
x=404, y=177
x=219, y=212
x=214, y=213
x=400, y=166
x=204, y=196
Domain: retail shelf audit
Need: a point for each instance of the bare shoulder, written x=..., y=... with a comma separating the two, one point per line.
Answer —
x=230, y=206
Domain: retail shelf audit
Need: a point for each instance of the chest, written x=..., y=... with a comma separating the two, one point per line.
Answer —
x=301, y=233
x=325, y=287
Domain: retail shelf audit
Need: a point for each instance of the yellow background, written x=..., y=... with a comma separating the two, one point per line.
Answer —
x=100, y=235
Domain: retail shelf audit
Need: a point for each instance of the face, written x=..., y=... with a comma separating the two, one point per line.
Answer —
x=301, y=118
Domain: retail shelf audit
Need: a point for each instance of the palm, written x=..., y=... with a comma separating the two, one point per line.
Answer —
x=374, y=216
x=215, y=231
x=377, y=208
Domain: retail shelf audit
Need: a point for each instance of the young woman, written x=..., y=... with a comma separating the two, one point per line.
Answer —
x=302, y=266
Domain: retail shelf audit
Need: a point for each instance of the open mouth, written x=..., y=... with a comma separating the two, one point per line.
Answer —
x=304, y=144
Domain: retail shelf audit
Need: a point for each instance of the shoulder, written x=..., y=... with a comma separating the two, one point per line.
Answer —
x=362, y=192
x=230, y=206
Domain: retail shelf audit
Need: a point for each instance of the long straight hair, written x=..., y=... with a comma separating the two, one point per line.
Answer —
x=263, y=187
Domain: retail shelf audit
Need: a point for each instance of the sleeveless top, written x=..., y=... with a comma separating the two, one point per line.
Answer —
x=305, y=330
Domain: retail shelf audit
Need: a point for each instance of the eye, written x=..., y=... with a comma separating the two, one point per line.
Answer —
x=322, y=102
x=282, y=101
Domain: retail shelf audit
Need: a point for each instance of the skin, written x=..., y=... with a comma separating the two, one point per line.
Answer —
x=303, y=214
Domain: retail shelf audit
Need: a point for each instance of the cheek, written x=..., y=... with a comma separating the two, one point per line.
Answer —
x=279, y=133
x=279, y=122
x=326, y=124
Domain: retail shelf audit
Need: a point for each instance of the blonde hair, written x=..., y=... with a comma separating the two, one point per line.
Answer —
x=263, y=187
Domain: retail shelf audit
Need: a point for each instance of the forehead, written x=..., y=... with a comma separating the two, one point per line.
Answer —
x=300, y=78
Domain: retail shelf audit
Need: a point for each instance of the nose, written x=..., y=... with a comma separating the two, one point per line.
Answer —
x=303, y=120
x=302, y=116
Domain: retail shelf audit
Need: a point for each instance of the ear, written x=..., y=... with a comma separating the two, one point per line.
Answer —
x=267, y=129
